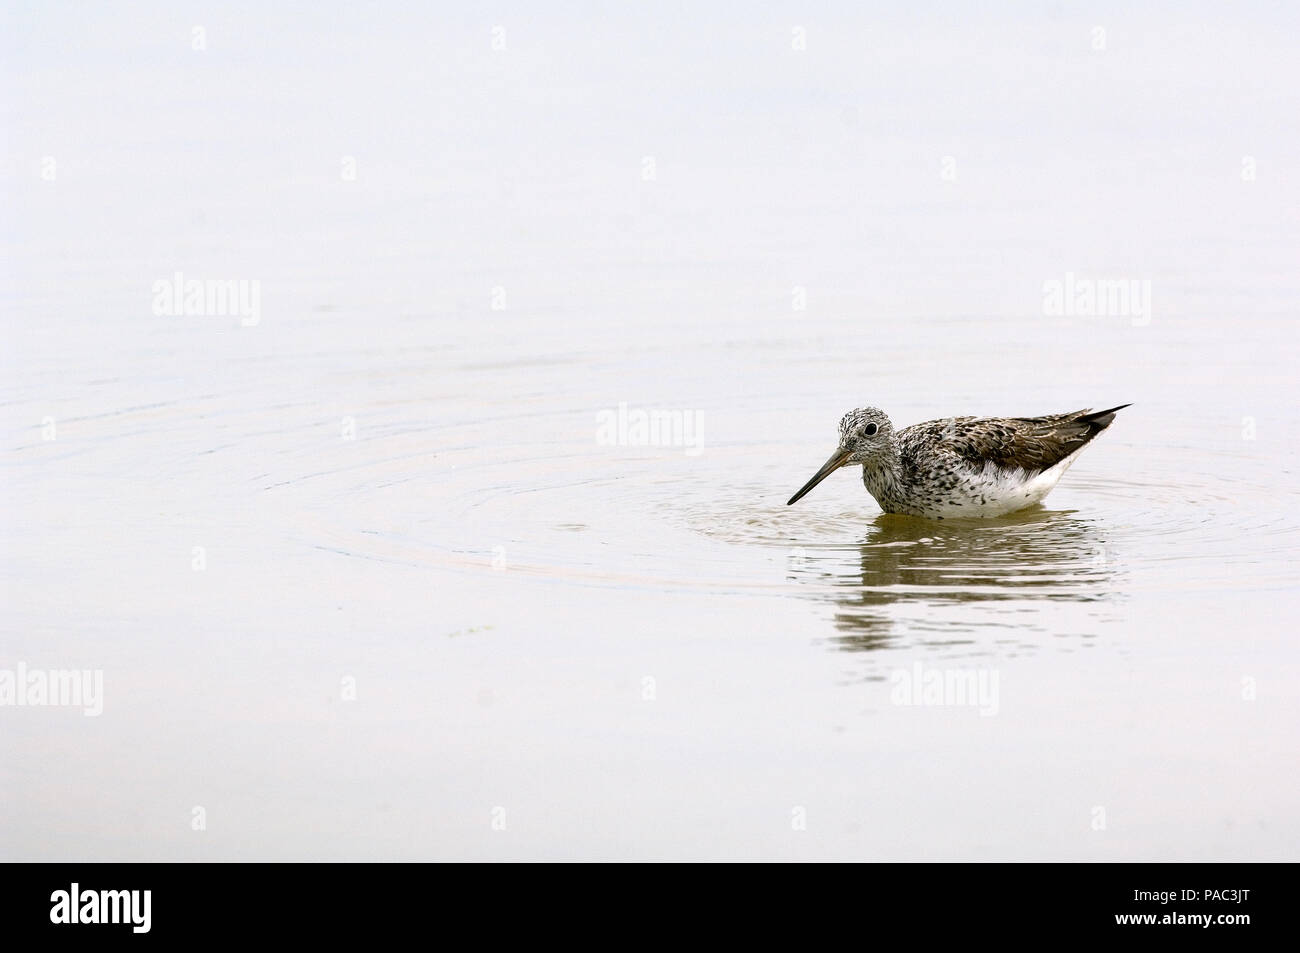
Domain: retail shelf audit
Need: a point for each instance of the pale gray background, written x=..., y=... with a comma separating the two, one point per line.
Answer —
x=1123, y=620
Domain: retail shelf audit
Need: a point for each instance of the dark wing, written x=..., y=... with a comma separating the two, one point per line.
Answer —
x=1027, y=443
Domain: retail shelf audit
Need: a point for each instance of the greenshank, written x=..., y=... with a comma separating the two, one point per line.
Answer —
x=961, y=466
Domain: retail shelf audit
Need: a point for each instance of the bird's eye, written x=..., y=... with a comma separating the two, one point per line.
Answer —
x=869, y=430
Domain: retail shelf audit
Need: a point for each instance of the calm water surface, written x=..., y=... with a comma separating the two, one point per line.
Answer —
x=565, y=648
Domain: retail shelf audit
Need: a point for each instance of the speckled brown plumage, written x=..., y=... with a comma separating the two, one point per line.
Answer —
x=961, y=466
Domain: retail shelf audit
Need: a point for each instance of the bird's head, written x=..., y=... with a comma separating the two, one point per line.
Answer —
x=864, y=433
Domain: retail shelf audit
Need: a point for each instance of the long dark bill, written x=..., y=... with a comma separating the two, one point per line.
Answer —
x=837, y=460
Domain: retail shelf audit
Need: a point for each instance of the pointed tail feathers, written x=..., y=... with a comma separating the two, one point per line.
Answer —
x=1099, y=420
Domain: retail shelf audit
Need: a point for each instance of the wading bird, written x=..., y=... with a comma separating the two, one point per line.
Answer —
x=961, y=466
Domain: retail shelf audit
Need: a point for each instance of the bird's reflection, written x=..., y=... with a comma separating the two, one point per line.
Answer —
x=919, y=575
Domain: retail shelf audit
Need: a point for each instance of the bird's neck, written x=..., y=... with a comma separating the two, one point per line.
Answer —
x=882, y=475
